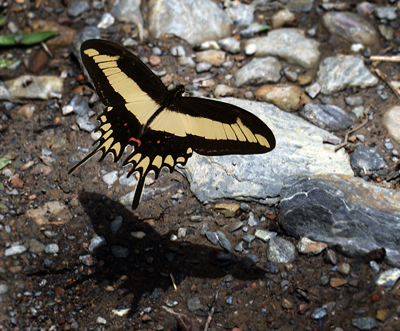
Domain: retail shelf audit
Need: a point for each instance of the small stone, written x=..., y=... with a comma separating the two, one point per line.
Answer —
x=14, y=250
x=235, y=226
x=78, y=8
x=272, y=268
x=116, y=224
x=364, y=323
x=96, y=242
x=381, y=314
x=303, y=308
x=344, y=268
x=138, y=234
x=330, y=257
x=287, y=304
x=101, y=320
x=227, y=209
x=120, y=251
x=324, y=280
x=264, y=234
x=307, y=246
x=388, y=278
x=336, y=282
x=194, y=304
x=374, y=266
x=318, y=313
x=52, y=249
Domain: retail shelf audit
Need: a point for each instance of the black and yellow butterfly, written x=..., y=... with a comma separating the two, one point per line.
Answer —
x=163, y=126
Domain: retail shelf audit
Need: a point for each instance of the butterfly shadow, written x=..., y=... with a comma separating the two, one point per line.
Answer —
x=153, y=259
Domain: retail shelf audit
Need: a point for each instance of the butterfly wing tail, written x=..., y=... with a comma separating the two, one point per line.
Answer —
x=138, y=192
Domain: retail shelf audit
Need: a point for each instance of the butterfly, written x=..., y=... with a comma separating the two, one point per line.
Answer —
x=162, y=125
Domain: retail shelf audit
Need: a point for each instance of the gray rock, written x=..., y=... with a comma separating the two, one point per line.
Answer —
x=318, y=314
x=192, y=20
x=249, y=262
x=354, y=101
x=52, y=249
x=248, y=238
x=78, y=8
x=386, y=13
x=388, y=278
x=288, y=44
x=303, y=6
x=259, y=71
x=280, y=250
x=364, y=323
x=203, y=67
x=352, y=215
x=313, y=90
x=230, y=45
x=272, y=268
x=337, y=73
x=120, y=251
x=264, y=235
x=260, y=177
x=194, y=304
x=111, y=177
x=351, y=27
x=96, y=242
x=328, y=117
x=178, y=51
x=212, y=237
x=224, y=242
x=369, y=160
x=36, y=246
x=116, y=224
x=15, y=250
x=241, y=14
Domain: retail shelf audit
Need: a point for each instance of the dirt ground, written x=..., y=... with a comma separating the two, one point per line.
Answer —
x=73, y=288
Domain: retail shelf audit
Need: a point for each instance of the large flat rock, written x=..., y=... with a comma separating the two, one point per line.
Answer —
x=299, y=150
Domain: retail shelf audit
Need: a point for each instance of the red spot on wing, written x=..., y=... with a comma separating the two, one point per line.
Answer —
x=136, y=140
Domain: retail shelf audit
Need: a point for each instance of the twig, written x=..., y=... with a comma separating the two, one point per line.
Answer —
x=384, y=58
x=210, y=315
x=387, y=81
x=173, y=281
x=346, y=137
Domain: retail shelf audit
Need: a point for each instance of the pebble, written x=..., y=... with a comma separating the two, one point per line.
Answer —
x=318, y=313
x=388, y=278
x=370, y=160
x=203, y=67
x=354, y=101
x=52, y=249
x=223, y=241
x=235, y=226
x=280, y=250
x=14, y=250
x=328, y=117
x=78, y=8
x=138, y=234
x=364, y=323
x=264, y=235
x=313, y=90
x=111, y=177
x=194, y=304
x=230, y=44
x=388, y=13
x=344, y=268
x=307, y=246
x=96, y=242
x=178, y=51
x=212, y=237
x=374, y=266
x=116, y=224
x=120, y=251
x=101, y=320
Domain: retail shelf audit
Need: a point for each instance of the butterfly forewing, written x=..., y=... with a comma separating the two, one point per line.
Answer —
x=163, y=127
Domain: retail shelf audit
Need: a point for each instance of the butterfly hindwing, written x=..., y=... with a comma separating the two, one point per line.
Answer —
x=163, y=127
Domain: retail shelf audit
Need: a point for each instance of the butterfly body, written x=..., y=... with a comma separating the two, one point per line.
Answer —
x=163, y=127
